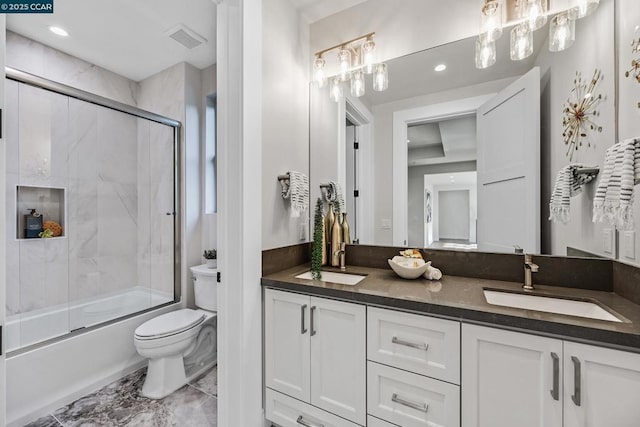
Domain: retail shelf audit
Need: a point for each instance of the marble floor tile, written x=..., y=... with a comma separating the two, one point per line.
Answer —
x=46, y=421
x=208, y=382
x=120, y=404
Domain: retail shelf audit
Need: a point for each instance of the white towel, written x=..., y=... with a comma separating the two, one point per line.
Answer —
x=613, y=202
x=298, y=192
x=568, y=184
x=336, y=196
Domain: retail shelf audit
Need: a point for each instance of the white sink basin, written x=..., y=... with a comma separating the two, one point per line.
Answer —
x=549, y=305
x=330, y=276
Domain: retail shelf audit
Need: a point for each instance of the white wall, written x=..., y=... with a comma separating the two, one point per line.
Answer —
x=2, y=236
x=453, y=214
x=592, y=49
x=285, y=119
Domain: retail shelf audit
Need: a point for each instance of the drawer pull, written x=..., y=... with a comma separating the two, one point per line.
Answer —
x=419, y=346
x=302, y=421
x=420, y=407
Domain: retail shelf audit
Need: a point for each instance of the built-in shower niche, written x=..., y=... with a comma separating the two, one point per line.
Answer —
x=49, y=202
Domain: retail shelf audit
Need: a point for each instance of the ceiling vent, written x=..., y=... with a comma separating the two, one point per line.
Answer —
x=186, y=37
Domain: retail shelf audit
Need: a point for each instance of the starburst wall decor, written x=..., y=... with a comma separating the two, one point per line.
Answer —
x=580, y=112
x=635, y=63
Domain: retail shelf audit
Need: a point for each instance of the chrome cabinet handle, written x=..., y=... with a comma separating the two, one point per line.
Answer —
x=313, y=310
x=419, y=346
x=576, y=397
x=303, y=330
x=302, y=421
x=556, y=377
x=420, y=407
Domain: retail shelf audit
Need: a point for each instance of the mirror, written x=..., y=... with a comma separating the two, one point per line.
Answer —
x=445, y=161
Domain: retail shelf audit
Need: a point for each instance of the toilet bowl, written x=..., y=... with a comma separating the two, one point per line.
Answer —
x=181, y=344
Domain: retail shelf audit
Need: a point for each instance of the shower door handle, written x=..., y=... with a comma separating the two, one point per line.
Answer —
x=171, y=214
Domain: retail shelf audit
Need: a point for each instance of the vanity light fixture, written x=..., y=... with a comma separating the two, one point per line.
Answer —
x=355, y=58
x=58, y=31
x=531, y=16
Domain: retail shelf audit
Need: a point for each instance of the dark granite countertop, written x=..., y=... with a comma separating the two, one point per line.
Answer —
x=462, y=298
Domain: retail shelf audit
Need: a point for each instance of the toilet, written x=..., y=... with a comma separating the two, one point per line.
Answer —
x=181, y=344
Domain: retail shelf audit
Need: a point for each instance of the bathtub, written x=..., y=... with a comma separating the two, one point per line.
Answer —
x=43, y=378
x=40, y=325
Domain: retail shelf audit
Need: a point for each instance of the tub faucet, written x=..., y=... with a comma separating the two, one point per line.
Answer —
x=342, y=254
x=529, y=268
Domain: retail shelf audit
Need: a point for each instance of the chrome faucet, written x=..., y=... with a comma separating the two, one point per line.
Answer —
x=342, y=254
x=529, y=268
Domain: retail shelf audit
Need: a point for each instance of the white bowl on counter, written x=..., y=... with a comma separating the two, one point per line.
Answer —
x=408, y=268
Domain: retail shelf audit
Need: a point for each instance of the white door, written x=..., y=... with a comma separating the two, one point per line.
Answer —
x=2, y=233
x=510, y=379
x=338, y=358
x=609, y=387
x=286, y=341
x=509, y=168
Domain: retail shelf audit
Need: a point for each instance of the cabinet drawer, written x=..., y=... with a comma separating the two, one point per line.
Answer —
x=411, y=400
x=289, y=412
x=420, y=344
x=377, y=422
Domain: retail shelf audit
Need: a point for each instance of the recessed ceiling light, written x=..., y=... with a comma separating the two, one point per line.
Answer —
x=58, y=31
x=440, y=67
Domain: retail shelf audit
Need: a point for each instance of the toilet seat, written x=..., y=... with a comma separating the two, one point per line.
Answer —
x=168, y=324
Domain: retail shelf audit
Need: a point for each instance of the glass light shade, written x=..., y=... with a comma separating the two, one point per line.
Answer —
x=534, y=14
x=320, y=77
x=485, y=52
x=380, y=78
x=521, y=42
x=344, y=64
x=582, y=8
x=562, y=32
x=368, y=50
x=491, y=19
x=335, y=89
x=357, y=83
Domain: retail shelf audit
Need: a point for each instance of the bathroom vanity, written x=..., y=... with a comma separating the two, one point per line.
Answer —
x=395, y=352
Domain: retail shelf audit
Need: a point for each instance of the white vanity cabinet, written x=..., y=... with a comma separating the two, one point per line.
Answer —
x=512, y=378
x=315, y=351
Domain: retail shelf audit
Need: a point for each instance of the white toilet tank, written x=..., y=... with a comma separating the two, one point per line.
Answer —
x=205, y=287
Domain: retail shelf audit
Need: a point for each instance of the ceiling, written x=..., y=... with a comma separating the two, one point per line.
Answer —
x=128, y=37
x=444, y=141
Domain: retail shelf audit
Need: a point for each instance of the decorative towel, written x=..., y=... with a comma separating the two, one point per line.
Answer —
x=298, y=192
x=568, y=184
x=334, y=194
x=613, y=202
x=432, y=273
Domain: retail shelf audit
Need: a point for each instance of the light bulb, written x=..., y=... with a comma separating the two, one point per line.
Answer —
x=335, y=89
x=534, y=14
x=521, y=42
x=344, y=64
x=320, y=78
x=562, y=32
x=485, y=52
x=583, y=8
x=357, y=83
x=491, y=19
x=368, y=49
x=380, y=78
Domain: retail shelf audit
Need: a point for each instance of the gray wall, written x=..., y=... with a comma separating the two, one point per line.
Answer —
x=453, y=214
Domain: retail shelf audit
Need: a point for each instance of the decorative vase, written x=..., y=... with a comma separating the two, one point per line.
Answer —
x=346, y=235
x=324, y=242
x=336, y=240
x=329, y=218
x=212, y=263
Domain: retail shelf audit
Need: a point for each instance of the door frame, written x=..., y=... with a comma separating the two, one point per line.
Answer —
x=3, y=232
x=401, y=120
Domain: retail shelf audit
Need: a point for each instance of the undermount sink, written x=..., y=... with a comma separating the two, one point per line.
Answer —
x=330, y=276
x=549, y=304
